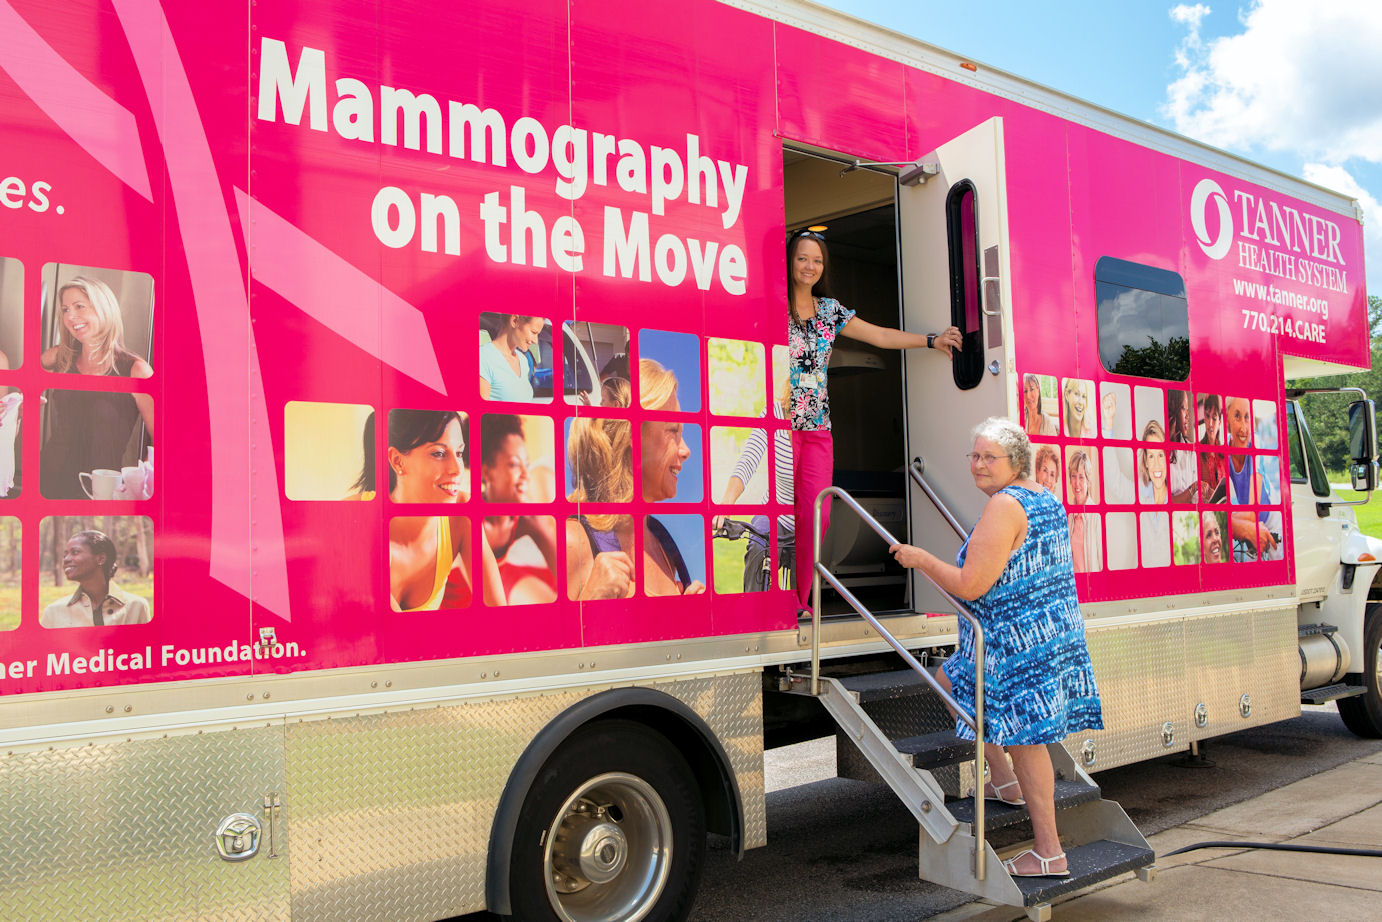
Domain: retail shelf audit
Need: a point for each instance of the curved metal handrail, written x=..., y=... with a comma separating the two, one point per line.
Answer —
x=918, y=471
x=976, y=723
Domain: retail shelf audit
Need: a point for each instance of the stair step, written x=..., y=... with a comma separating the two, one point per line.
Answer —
x=1000, y=815
x=1089, y=864
x=1331, y=693
x=880, y=686
x=935, y=749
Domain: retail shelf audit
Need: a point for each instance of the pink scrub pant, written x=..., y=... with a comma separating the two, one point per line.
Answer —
x=813, y=464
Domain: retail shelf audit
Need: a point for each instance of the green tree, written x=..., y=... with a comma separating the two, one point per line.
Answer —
x=1169, y=361
x=1327, y=415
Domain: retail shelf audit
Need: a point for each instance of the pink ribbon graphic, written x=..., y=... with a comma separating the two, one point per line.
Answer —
x=101, y=126
x=247, y=551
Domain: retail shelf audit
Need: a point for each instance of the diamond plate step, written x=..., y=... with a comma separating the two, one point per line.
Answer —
x=934, y=750
x=1088, y=864
x=879, y=686
x=1000, y=815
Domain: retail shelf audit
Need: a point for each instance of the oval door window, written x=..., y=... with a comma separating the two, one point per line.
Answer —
x=966, y=298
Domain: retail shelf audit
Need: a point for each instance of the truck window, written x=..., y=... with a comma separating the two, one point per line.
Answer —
x=1298, y=474
x=1144, y=322
x=1305, y=457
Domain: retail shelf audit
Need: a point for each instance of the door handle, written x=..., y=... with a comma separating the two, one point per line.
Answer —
x=984, y=294
x=237, y=838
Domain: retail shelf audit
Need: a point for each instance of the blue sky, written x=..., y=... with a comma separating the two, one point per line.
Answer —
x=1294, y=85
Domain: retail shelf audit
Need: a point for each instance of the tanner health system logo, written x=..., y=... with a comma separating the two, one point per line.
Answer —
x=1208, y=192
x=1268, y=236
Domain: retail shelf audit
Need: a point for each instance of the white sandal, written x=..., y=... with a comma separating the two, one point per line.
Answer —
x=998, y=793
x=1044, y=863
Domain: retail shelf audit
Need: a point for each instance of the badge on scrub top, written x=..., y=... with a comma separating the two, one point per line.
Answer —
x=807, y=380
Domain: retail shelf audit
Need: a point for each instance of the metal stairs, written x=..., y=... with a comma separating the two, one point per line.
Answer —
x=894, y=726
x=888, y=729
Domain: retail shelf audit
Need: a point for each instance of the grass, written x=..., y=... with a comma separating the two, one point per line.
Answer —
x=1369, y=515
x=729, y=565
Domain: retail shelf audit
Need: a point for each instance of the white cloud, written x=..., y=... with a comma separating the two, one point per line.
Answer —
x=1341, y=180
x=1298, y=78
x=1190, y=14
x=1190, y=46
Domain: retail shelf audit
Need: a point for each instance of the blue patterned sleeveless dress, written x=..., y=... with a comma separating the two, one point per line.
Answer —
x=1038, y=680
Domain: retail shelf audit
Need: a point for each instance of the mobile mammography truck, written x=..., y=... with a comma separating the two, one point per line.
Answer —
x=379, y=373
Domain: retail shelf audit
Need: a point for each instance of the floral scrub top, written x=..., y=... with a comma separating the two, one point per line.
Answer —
x=809, y=348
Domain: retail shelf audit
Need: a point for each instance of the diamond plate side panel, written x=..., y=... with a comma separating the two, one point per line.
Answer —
x=733, y=708
x=392, y=812
x=124, y=830
x=1152, y=673
x=1230, y=656
x=1141, y=672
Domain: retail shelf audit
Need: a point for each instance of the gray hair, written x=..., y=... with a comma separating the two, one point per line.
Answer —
x=1008, y=436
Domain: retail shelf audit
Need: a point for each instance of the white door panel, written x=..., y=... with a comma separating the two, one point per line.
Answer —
x=940, y=412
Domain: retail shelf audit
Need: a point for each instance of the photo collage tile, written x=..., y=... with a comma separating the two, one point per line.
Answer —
x=1155, y=476
x=575, y=431
x=89, y=406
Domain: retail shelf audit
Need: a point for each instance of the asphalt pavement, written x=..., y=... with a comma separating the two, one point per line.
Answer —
x=845, y=850
x=1336, y=809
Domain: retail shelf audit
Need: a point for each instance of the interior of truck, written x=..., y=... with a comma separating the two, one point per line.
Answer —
x=855, y=209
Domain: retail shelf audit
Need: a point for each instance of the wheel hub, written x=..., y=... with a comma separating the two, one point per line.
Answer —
x=609, y=851
x=590, y=849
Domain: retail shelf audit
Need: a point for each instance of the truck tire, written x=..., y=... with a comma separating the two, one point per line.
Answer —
x=1363, y=714
x=612, y=829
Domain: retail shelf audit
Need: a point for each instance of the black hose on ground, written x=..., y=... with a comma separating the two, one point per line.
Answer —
x=1283, y=847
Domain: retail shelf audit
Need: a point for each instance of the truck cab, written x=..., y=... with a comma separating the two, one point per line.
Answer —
x=1337, y=567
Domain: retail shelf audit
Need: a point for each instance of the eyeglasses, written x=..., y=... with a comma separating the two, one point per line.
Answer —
x=809, y=233
x=987, y=460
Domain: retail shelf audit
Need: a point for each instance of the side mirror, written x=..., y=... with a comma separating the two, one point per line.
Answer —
x=1362, y=445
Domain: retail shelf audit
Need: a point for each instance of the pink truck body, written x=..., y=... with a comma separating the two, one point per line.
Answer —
x=321, y=201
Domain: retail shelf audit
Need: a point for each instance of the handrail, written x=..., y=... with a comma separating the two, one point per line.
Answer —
x=918, y=471
x=977, y=723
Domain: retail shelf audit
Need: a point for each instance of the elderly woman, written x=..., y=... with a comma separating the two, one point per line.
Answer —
x=1046, y=468
x=1015, y=571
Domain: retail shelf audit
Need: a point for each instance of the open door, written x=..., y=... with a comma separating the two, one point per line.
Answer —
x=953, y=235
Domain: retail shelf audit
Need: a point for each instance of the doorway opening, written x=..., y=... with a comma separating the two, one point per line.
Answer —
x=858, y=209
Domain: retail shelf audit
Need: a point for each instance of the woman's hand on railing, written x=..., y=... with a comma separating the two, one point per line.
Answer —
x=907, y=555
